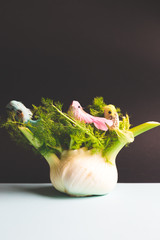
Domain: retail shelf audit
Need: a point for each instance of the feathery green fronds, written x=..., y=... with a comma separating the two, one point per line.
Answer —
x=57, y=131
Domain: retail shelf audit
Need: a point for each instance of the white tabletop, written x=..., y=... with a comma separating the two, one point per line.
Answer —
x=38, y=211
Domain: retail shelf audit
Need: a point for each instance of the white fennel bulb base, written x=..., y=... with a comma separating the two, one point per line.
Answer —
x=82, y=173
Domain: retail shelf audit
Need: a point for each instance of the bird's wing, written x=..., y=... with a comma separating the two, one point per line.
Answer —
x=81, y=115
x=99, y=122
x=27, y=114
x=102, y=123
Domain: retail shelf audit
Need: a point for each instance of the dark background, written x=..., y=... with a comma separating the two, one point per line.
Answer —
x=77, y=50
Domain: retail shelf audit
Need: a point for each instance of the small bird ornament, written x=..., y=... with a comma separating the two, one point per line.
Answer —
x=21, y=112
x=110, y=113
x=76, y=111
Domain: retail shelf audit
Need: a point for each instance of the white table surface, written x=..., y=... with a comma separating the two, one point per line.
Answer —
x=38, y=211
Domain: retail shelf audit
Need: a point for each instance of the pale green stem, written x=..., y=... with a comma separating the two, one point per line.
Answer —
x=50, y=157
x=112, y=152
x=29, y=135
x=118, y=145
x=144, y=127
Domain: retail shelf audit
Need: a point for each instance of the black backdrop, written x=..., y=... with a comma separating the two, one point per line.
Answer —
x=77, y=50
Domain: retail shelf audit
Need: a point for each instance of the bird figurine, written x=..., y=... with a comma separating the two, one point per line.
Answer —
x=22, y=113
x=76, y=111
x=110, y=113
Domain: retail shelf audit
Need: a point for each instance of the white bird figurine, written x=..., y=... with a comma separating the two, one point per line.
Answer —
x=22, y=113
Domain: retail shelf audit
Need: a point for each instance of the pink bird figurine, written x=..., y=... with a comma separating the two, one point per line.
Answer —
x=76, y=111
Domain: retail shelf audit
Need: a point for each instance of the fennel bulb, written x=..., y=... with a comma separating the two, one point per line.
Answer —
x=81, y=157
x=82, y=173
